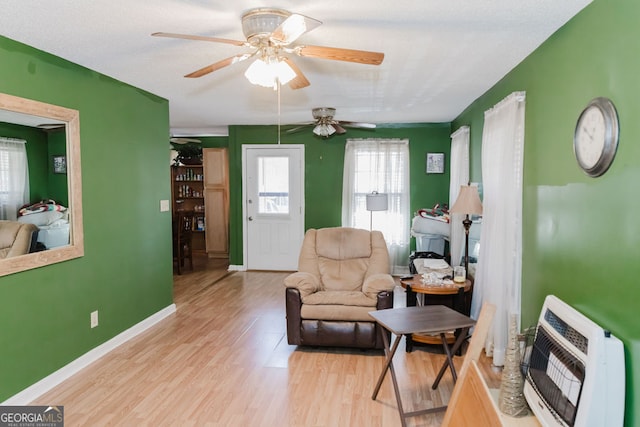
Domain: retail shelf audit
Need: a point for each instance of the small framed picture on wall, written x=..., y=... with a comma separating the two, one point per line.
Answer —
x=435, y=162
x=59, y=164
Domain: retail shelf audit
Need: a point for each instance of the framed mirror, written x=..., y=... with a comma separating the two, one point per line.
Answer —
x=66, y=124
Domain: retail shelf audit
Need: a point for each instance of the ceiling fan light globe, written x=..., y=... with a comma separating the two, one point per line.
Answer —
x=268, y=73
x=324, y=130
x=284, y=72
x=257, y=74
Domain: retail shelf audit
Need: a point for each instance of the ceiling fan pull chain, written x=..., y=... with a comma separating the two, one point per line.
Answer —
x=278, y=88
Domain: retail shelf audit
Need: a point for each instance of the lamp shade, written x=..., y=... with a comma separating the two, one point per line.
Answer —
x=468, y=201
x=377, y=201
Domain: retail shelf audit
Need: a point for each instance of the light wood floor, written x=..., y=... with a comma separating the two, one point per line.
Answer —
x=223, y=360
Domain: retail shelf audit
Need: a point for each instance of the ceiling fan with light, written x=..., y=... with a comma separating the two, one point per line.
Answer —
x=270, y=34
x=325, y=125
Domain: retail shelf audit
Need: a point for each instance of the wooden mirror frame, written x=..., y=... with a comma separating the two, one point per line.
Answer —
x=71, y=119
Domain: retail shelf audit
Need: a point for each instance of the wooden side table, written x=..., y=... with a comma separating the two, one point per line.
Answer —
x=456, y=292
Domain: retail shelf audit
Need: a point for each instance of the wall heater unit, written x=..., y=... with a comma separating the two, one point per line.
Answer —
x=576, y=370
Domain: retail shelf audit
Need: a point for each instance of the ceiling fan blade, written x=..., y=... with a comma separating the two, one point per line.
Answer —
x=358, y=125
x=51, y=126
x=339, y=54
x=292, y=28
x=201, y=38
x=298, y=128
x=339, y=129
x=182, y=140
x=220, y=64
x=299, y=81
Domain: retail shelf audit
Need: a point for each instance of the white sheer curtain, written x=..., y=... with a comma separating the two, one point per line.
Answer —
x=499, y=275
x=14, y=177
x=380, y=165
x=459, y=175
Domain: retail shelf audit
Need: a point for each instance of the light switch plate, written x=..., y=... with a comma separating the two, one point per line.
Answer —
x=164, y=206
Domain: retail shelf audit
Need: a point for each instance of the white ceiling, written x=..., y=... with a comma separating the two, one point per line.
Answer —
x=439, y=55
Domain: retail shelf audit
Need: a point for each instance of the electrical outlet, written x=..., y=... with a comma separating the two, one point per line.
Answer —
x=94, y=319
x=164, y=206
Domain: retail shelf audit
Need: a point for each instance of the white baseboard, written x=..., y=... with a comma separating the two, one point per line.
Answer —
x=237, y=268
x=36, y=390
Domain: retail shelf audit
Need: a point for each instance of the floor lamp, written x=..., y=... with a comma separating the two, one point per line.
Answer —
x=376, y=202
x=467, y=203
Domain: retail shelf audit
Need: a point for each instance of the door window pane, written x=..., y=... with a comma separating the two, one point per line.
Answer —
x=273, y=185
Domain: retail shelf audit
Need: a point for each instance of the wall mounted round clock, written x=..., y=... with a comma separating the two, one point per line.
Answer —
x=595, y=139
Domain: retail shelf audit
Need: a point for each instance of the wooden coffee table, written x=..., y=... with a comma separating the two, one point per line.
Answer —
x=435, y=319
x=415, y=287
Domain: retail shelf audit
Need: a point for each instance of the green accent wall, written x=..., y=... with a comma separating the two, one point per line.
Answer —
x=324, y=161
x=126, y=272
x=581, y=235
x=58, y=189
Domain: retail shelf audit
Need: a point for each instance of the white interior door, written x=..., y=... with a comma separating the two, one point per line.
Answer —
x=273, y=206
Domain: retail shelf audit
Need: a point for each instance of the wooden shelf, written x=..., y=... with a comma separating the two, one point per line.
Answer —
x=185, y=180
x=210, y=184
x=433, y=339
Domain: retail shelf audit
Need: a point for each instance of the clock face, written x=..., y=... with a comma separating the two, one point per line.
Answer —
x=595, y=140
x=590, y=135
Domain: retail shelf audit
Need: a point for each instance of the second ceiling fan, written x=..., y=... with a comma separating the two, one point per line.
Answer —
x=270, y=34
x=325, y=125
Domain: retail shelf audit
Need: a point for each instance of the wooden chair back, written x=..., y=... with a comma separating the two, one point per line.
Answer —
x=182, y=236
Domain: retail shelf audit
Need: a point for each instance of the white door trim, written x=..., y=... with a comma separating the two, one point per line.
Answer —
x=246, y=147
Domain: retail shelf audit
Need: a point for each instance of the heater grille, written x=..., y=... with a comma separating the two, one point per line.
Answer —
x=557, y=376
x=574, y=337
x=576, y=374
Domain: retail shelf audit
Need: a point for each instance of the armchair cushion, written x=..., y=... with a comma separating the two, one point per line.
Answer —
x=348, y=298
x=342, y=275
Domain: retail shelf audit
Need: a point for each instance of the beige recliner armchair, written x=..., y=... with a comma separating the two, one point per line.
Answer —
x=16, y=238
x=343, y=274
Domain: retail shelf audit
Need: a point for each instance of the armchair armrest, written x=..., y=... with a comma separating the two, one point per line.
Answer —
x=306, y=283
x=377, y=283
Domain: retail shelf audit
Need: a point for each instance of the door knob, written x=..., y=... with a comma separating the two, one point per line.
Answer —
x=250, y=218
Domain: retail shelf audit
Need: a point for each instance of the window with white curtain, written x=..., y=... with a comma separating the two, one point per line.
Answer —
x=14, y=177
x=380, y=165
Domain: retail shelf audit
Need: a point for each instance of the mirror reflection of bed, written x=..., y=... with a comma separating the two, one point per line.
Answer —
x=48, y=137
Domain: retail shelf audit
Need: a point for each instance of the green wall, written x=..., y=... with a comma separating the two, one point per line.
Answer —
x=581, y=235
x=324, y=160
x=126, y=272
